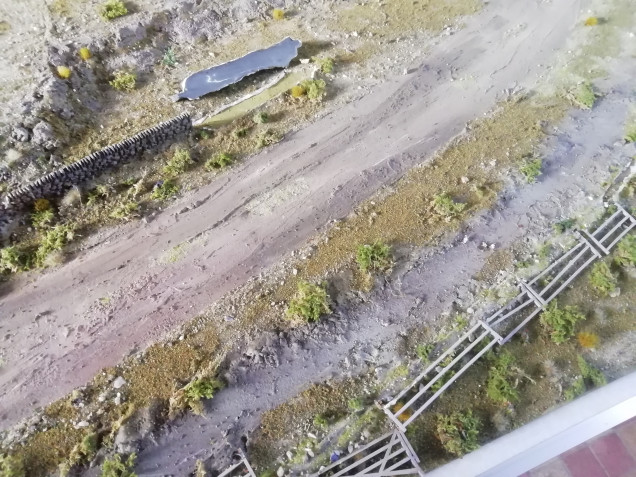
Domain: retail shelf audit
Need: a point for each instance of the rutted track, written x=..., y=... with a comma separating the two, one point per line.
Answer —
x=357, y=149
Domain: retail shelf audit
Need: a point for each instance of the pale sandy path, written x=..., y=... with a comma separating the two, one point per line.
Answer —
x=331, y=165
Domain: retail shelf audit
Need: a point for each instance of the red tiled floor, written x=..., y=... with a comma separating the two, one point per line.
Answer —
x=582, y=463
x=611, y=453
x=553, y=468
x=627, y=433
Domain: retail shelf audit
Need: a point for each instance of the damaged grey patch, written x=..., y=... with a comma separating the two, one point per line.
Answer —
x=218, y=77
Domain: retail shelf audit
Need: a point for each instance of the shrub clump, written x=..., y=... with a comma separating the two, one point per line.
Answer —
x=125, y=210
x=531, y=170
x=53, y=240
x=11, y=466
x=590, y=378
x=179, y=163
x=313, y=89
x=190, y=396
x=63, y=72
x=626, y=251
x=591, y=21
x=42, y=219
x=562, y=226
x=169, y=58
x=123, y=81
x=582, y=96
x=115, y=467
x=602, y=279
x=12, y=260
x=502, y=373
x=165, y=190
x=376, y=256
x=560, y=321
x=444, y=205
x=309, y=303
x=219, y=161
x=85, y=53
x=458, y=432
x=326, y=65
x=113, y=9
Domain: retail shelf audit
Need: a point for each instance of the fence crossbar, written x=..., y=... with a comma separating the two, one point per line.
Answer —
x=571, y=277
x=350, y=456
x=388, y=449
x=609, y=219
x=367, y=470
x=439, y=375
x=621, y=235
x=558, y=261
x=358, y=462
x=563, y=272
x=449, y=382
x=609, y=234
x=519, y=308
x=504, y=308
x=432, y=366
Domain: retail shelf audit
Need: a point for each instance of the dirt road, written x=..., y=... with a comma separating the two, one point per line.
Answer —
x=56, y=333
x=578, y=159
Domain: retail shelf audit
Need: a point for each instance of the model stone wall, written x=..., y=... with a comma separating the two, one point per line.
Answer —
x=59, y=181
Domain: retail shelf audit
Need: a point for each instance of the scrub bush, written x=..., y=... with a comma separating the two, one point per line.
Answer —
x=602, y=279
x=114, y=467
x=219, y=162
x=501, y=375
x=560, y=321
x=376, y=256
x=444, y=205
x=113, y=9
x=179, y=163
x=164, y=191
x=309, y=303
x=458, y=432
x=531, y=170
x=123, y=81
x=626, y=252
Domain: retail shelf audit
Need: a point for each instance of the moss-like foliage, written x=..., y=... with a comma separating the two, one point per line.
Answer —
x=590, y=378
x=125, y=210
x=115, y=467
x=602, y=279
x=12, y=260
x=531, y=169
x=564, y=225
x=502, y=374
x=42, y=219
x=85, y=53
x=314, y=88
x=124, y=81
x=625, y=254
x=458, y=432
x=582, y=96
x=11, y=466
x=376, y=256
x=53, y=240
x=219, y=161
x=179, y=163
x=326, y=65
x=444, y=205
x=191, y=395
x=560, y=322
x=309, y=303
x=113, y=9
x=165, y=190
x=63, y=72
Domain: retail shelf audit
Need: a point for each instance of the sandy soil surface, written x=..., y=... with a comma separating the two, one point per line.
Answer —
x=578, y=158
x=61, y=328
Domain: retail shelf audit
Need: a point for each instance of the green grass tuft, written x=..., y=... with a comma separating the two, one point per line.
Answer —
x=376, y=256
x=625, y=254
x=179, y=163
x=560, y=321
x=115, y=467
x=123, y=81
x=458, y=432
x=531, y=169
x=500, y=377
x=113, y=9
x=219, y=161
x=309, y=303
x=166, y=190
x=444, y=205
x=602, y=279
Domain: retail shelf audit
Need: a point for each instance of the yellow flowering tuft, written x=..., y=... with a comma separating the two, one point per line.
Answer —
x=64, y=72
x=85, y=53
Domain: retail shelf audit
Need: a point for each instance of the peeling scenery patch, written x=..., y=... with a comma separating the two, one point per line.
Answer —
x=218, y=77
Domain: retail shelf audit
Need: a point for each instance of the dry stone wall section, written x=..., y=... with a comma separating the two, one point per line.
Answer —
x=59, y=181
